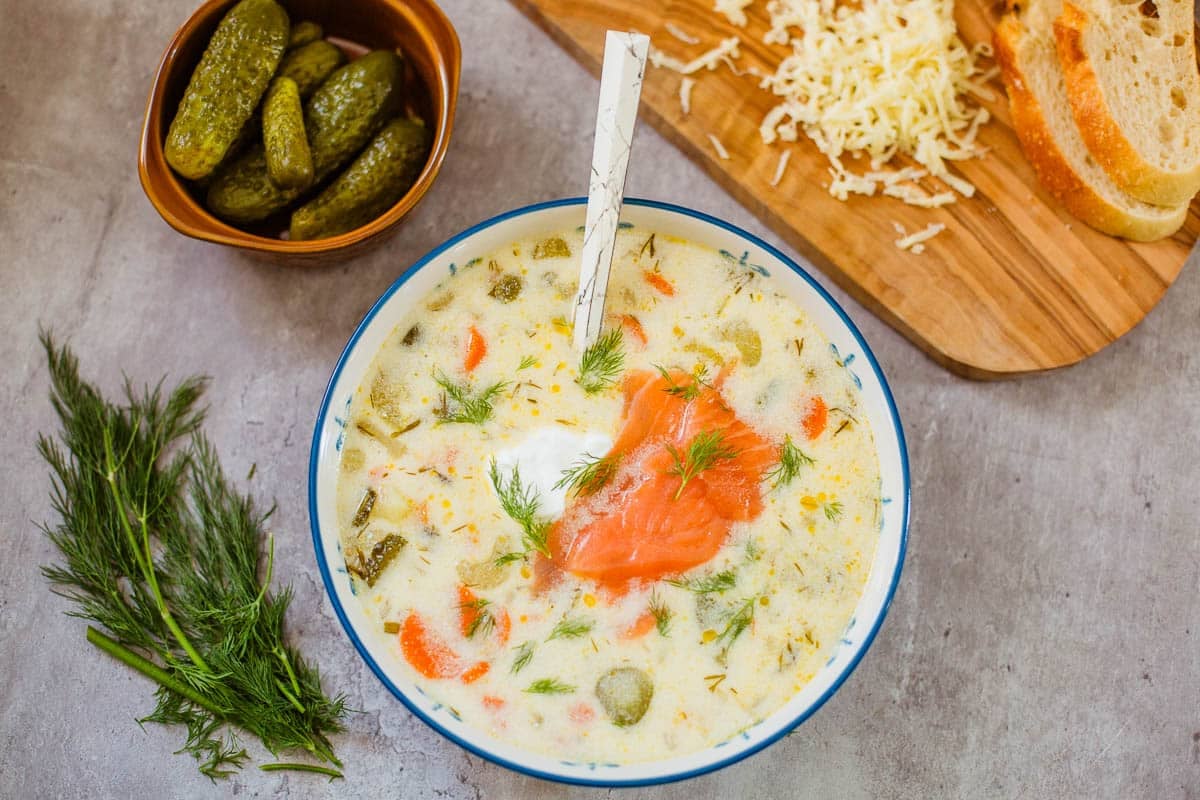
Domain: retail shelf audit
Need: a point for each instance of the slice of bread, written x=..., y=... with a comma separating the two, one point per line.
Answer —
x=1130, y=69
x=1042, y=117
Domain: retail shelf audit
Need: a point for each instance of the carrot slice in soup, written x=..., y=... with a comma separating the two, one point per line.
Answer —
x=582, y=712
x=640, y=627
x=468, y=610
x=816, y=418
x=425, y=651
x=492, y=702
x=503, y=626
x=633, y=328
x=656, y=280
x=476, y=349
x=476, y=672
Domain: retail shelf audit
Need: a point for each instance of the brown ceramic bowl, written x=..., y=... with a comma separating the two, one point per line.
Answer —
x=418, y=28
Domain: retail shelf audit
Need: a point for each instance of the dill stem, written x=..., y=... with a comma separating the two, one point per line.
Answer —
x=278, y=766
x=282, y=656
x=142, y=554
x=150, y=670
x=291, y=697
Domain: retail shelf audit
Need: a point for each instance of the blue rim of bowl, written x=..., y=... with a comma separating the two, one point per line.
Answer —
x=327, y=577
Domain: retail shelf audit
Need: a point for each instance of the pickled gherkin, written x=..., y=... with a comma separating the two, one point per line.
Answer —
x=285, y=145
x=746, y=340
x=554, y=247
x=311, y=64
x=364, y=508
x=370, y=565
x=351, y=107
x=226, y=86
x=507, y=288
x=373, y=183
x=341, y=116
x=488, y=573
x=303, y=33
x=388, y=398
x=625, y=694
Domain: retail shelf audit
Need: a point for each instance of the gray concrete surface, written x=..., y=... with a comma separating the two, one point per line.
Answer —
x=1045, y=640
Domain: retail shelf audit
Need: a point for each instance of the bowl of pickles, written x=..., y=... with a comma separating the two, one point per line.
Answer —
x=299, y=128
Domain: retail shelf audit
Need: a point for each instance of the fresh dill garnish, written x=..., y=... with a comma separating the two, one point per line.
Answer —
x=662, y=614
x=648, y=244
x=481, y=620
x=521, y=504
x=601, y=363
x=570, y=629
x=833, y=510
x=523, y=657
x=718, y=582
x=462, y=403
x=738, y=621
x=527, y=362
x=688, y=391
x=549, y=686
x=588, y=475
x=160, y=550
x=753, y=551
x=702, y=454
x=791, y=460
x=508, y=558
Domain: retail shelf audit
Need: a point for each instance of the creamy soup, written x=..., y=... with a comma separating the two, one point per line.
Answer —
x=625, y=555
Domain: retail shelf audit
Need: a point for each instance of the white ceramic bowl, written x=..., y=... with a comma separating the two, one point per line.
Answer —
x=381, y=652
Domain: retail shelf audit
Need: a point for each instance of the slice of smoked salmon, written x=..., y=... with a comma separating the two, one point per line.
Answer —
x=646, y=533
x=733, y=484
x=636, y=527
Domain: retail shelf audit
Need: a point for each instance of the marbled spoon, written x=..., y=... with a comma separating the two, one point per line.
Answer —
x=620, y=91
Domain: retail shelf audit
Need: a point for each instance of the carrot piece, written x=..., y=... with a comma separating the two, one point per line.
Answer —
x=633, y=327
x=476, y=349
x=476, y=672
x=656, y=280
x=503, y=626
x=468, y=610
x=427, y=654
x=582, y=712
x=816, y=418
x=493, y=702
x=640, y=627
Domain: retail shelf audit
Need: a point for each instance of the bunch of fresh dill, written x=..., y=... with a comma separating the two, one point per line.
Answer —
x=163, y=554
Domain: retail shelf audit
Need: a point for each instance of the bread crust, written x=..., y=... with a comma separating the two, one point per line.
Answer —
x=1100, y=130
x=1050, y=163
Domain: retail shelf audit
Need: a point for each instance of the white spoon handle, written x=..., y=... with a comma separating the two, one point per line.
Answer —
x=620, y=91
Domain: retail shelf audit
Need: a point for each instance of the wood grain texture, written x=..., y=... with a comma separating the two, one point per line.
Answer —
x=1014, y=285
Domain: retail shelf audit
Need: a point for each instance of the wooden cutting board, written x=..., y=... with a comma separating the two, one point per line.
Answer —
x=1013, y=285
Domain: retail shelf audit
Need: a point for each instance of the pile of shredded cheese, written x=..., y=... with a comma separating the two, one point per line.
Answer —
x=871, y=79
x=888, y=77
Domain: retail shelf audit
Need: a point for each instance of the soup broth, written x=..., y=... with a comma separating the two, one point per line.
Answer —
x=625, y=556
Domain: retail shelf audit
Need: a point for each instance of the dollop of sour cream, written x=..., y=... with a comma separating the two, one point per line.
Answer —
x=542, y=456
